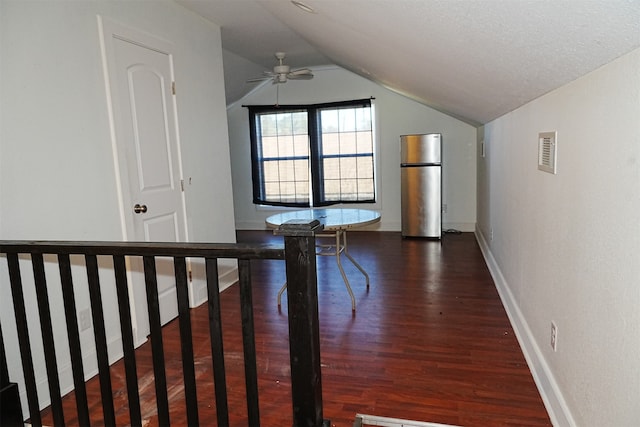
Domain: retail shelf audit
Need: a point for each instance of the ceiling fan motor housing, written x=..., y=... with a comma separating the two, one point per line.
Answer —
x=281, y=72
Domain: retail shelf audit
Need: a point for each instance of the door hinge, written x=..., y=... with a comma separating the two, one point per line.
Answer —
x=182, y=185
x=173, y=87
x=190, y=276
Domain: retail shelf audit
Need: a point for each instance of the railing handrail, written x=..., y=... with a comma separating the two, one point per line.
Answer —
x=171, y=249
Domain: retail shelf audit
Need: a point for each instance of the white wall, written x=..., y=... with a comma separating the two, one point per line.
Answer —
x=396, y=115
x=57, y=178
x=565, y=247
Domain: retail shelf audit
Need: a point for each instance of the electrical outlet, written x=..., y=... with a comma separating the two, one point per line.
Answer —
x=85, y=320
x=554, y=336
x=491, y=234
x=444, y=208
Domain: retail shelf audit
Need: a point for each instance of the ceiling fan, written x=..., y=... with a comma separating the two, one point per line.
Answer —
x=281, y=72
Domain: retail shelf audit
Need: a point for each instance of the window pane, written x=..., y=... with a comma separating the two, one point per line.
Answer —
x=285, y=168
x=302, y=191
x=302, y=170
x=272, y=191
x=363, y=119
x=329, y=119
x=285, y=146
x=301, y=145
x=267, y=124
x=285, y=124
x=348, y=143
x=364, y=142
x=299, y=121
x=349, y=189
x=347, y=119
x=269, y=146
x=365, y=189
x=270, y=170
x=348, y=168
x=331, y=168
x=330, y=143
x=287, y=190
x=332, y=190
x=365, y=167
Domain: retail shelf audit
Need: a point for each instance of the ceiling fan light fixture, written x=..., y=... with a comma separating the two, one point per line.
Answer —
x=303, y=6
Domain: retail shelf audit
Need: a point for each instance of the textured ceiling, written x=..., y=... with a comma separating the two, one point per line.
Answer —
x=473, y=59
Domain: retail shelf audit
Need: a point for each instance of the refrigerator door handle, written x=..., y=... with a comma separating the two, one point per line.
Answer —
x=419, y=165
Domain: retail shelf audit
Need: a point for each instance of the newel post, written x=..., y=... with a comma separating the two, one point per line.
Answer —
x=304, y=330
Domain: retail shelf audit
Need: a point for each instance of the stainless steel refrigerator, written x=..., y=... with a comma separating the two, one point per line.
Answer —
x=421, y=182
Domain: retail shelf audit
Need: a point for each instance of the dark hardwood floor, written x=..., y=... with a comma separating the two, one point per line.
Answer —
x=430, y=341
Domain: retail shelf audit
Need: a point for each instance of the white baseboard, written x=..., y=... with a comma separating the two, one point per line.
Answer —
x=198, y=294
x=543, y=376
x=465, y=227
x=228, y=278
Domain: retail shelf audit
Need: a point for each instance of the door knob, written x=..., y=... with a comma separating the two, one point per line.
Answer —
x=140, y=208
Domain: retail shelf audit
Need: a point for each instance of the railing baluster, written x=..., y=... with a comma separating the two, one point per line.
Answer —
x=23, y=339
x=100, y=338
x=217, y=349
x=50, y=360
x=249, y=342
x=124, y=308
x=11, y=409
x=157, y=347
x=188, y=369
x=68, y=296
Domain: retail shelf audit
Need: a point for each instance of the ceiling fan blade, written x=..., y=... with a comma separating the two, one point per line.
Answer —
x=266, y=75
x=300, y=71
x=259, y=79
x=300, y=76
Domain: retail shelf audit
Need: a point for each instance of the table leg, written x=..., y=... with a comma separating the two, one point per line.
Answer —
x=341, y=245
x=353, y=261
x=280, y=292
x=339, y=248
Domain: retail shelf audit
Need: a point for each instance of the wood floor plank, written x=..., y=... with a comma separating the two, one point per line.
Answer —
x=430, y=341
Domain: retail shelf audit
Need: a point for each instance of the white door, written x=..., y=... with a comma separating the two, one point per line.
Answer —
x=140, y=80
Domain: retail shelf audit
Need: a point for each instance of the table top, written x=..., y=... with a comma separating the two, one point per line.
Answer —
x=332, y=218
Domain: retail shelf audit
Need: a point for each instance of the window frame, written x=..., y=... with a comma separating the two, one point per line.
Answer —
x=316, y=156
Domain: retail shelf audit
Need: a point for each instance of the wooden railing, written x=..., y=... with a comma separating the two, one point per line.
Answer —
x=299, y=255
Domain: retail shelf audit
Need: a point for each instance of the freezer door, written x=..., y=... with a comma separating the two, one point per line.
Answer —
x=421, y=149
x=421, y=201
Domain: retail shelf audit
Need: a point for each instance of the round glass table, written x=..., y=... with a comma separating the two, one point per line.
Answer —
x=336, y=222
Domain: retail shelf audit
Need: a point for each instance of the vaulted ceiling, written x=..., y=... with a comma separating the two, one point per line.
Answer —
x=473, y=59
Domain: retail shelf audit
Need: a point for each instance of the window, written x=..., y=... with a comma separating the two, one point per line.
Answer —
x=313, y=155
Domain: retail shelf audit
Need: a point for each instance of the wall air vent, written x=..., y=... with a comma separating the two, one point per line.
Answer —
x=547, y=149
